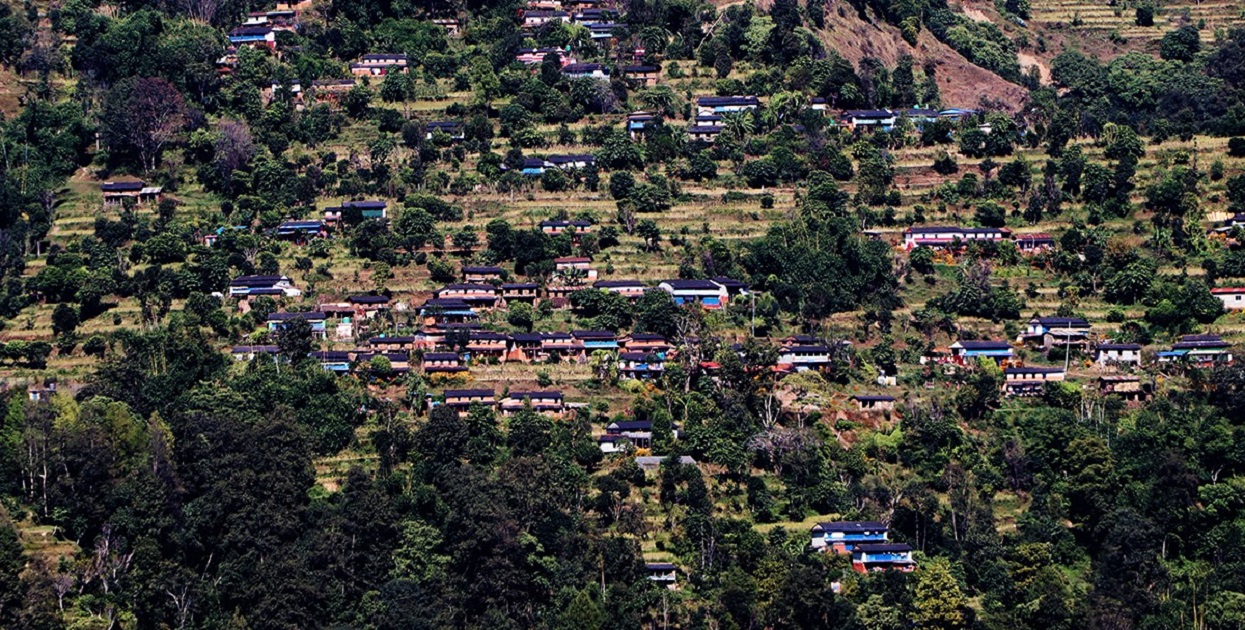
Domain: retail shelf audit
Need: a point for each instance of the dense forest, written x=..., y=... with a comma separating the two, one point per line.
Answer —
x=190, y=190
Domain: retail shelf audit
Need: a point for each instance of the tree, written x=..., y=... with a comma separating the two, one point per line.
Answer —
x=922, y=259
x=621, y=184
x=142, y=117
x=1181, y=44
x=232, y=152
x=530, y=433
x=647, y=229
x=294, y=339
x=12, y=562
x=521, y=315
x=583, y=613
x=939, y=602
x=64, y=319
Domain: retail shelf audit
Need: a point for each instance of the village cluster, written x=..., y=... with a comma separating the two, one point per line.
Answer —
x=450, y=338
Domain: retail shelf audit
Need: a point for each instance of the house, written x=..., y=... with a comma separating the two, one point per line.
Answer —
x=592, y=16
x=817, y=104
x=1126, y=353
x=116, y=193
x=282, y=19
x=652, y=463
x=966, y=352
x=868, y=119
x=706, y=293
x=441, y=311
x=524, y=347
x=574, y=228
x=559, y=344
x=725, y=104
x=637, y=428
x=1233, y=298
x=277, y=321
x=645, y=342
x=882, y=557
x=368, y=303
x=1199, y=350
x=637, y=122
x=369, y=208
x=944, y=236
x=843, y=536
x=919, y=116
x=704, y=133
x=247, y=353
x=565, y=162
x=379, y=64
x=399, y=362
x=585, y=71
x=956, y=114
x=450, y=25
x=1056, y=331
x=630, y=289
x=334, y=361
x=292, y=91
x=636, y=433
x=442, y=363
x=1029, y=381
x=535, y=166
x=476, y=295
x=487, y=344
x=663, y=573
x=604, y=30
x=300, y=231
x=640, y=365
x=803, y=358
x=482, y=273
x=262, y=285
x=1034, y=243
x=1127, y=387
x=392, y=343
x=463, y=399
x=547, y=403
x=593, y=340
x=874, y=403
x=450, y=128
x=516, y=292
x=645, y=75
x=533, y=56
x=1039, y=326
x=534, y=19
x=734, y=288
x=330, y=90
x=575, y=267
x=257, y=36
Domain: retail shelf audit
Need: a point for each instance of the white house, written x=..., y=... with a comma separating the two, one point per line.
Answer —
x=707, y=293
x=942, y=236
x=1233, y=298
x=1126, y=353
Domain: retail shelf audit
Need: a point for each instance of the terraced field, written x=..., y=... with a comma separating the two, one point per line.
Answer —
x=1119, y=18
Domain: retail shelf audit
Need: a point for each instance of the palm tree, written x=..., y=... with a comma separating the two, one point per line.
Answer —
x=660, y=99
x=739, y=125
x=787, y=106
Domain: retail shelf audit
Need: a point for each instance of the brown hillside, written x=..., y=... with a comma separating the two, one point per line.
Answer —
x=961, y=83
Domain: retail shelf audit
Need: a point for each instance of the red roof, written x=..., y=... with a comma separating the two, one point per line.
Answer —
x=1228, y=290
x=573, y=259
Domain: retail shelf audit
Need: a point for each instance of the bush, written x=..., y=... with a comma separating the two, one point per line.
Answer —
x=1236, y=147
x=944, y=164
x=767, y=201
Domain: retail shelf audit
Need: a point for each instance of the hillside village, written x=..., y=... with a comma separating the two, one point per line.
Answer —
x=603, y=314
